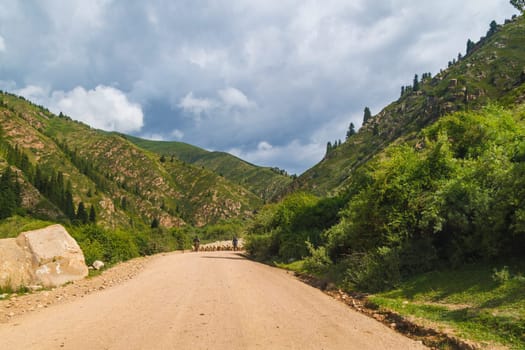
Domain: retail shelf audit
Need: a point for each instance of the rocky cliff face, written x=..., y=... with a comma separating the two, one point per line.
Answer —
x=47, y=257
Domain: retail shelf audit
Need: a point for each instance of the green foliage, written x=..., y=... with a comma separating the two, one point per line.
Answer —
x=467, y=300
x=264, y=182
x=374, y=270
x=456, y=198
x=367, y=115
x=12, y=226
x=518, y=4
x=10, y=191
x=501, y=276
x=284, y=228
x=220, y=231
x=261, y=246
x=110, y=246
x=318, y=262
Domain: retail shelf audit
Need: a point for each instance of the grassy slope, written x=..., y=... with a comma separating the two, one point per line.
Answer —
x=262, y=181
x=149, y=188
x=493, y=71
x=469, y=302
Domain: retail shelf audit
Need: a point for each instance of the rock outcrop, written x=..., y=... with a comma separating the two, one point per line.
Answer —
x=48, y=257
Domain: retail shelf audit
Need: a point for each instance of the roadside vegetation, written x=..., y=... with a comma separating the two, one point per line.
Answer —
x=448, y=201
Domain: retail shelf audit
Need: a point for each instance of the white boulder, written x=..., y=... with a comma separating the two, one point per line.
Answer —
x=47, y=257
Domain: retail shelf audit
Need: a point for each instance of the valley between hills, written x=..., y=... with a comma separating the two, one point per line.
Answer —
x=419, y=214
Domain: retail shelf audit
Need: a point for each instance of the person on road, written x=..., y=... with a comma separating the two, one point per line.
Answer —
x=196, y=243
x=235, y=242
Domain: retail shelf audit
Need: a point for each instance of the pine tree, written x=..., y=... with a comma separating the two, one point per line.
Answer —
x=367, y=115
x=82, y=215
x=518, y=4
x=470, y=46
x=415, y=86
x=8, y=197
x=351, y=131
x=155, y=223
x=92, y=215
x=329, y=147
x=493, y=28
x=69, y=207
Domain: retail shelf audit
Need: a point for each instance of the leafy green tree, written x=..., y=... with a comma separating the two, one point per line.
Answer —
x=518, y=4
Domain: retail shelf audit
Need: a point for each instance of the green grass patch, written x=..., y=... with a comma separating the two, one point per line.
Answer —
x=471, y=302
x=295, y=266
x=13, y=226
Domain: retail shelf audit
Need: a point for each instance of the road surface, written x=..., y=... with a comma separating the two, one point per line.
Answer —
x=215, y=300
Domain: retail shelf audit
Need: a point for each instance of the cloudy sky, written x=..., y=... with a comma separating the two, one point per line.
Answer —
x=269, y=81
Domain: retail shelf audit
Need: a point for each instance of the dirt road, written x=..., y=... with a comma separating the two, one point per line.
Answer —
x=210, y=300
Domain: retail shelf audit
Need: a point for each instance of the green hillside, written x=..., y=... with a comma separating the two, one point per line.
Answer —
x=421, y=214
x=493, y=70
x=264, y=182
x=56, y=157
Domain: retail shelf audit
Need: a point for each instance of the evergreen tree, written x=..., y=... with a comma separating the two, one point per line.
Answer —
x=493, y=28
x=82, y=215
x=470, y=46
x=402, y=91
x=415, y=86
x=329, y=147
x=69, y=207
x=9, y=199
x=351, y=131
x=367, y=115
x=155, y=223
x=518, y=4
x=162, y=158
x=92, y=215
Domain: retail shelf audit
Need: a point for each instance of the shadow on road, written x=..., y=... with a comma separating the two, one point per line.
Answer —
x=238, y=257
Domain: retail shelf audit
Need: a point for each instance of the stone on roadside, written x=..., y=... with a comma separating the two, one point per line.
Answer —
x=97, y=264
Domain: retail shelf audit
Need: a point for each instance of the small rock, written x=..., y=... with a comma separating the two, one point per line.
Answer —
x=97, y=264
x=3, y=296
x=11, y=314
x=393, y=325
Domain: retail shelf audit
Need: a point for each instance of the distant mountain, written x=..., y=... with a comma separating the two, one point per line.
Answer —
x=493, y=70
x=262, y=181
x=56, y=158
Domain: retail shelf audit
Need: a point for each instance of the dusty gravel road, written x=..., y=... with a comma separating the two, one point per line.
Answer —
x=202, y=301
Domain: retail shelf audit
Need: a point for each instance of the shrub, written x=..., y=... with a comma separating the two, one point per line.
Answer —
x=501, y=276
x=318, y=262
x=261, y=247
x=374, y=271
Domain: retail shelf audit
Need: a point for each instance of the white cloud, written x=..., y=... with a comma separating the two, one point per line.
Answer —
x=155, y=137
x=196, y=105
x=264, y=146
x=294, y=154
x=233, y=97
x=34, y=93
x=176, y=133
x=2, y=44
x=104, y=107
